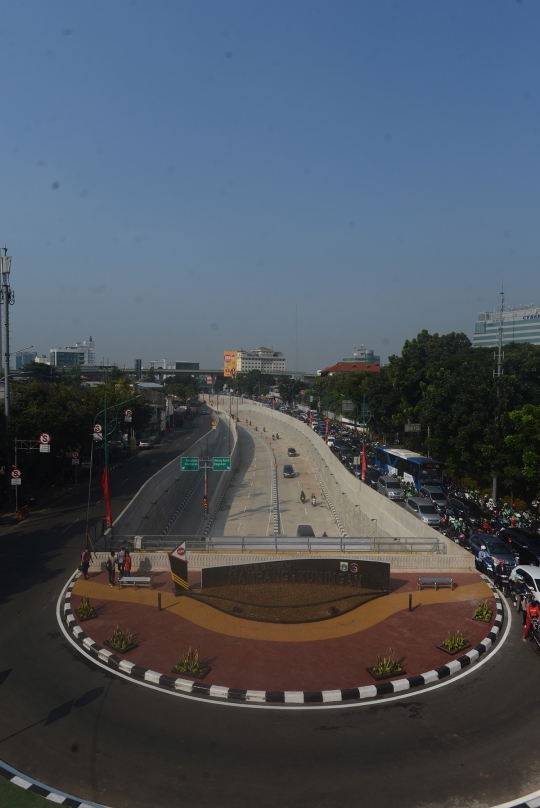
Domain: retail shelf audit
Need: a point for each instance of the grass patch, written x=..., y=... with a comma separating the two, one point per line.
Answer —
x=17, y=797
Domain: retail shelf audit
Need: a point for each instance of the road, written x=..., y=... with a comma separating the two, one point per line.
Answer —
x=79, y=728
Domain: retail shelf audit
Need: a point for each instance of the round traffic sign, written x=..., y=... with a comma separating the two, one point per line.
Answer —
x=181, y=551
x=45, y=438
x=128, y=413
x=74, y=455
x=98, y=428
x=16, y=473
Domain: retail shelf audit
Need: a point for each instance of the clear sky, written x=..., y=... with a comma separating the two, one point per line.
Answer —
x=177, y=176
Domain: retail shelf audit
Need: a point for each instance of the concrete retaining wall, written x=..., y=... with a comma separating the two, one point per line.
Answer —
x=155, y=501
x=362, y=510
x=158, y=562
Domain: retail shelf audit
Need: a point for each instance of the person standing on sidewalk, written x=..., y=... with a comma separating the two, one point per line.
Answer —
x=127, y=565
x=110, y=564
x=85, y=562
x=121, y=557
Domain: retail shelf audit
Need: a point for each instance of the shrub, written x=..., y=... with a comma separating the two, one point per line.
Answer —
x=190, y=663
x=387, y=665
x=121, y=639
x=483, y=612
x=85, y=610
x=454, y=641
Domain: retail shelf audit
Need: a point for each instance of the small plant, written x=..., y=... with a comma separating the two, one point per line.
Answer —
x=387, y=665
x=455, y=641
x=85, y=610
x=190, y=663
x=121, y=639
x=483, y=612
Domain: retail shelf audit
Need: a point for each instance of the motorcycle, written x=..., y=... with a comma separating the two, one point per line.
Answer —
x=313, y=500
x=302, y=497
x=535, y=635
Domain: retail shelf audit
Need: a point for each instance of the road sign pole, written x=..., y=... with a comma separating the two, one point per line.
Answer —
x=206, y=486
x=16, y=487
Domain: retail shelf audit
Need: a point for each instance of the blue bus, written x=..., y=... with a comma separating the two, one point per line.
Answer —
x=412, y=467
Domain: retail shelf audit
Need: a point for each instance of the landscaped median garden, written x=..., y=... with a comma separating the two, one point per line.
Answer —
x=379, y=639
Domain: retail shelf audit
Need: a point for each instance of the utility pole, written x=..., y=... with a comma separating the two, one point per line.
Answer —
x=8, y=298
x=498, y=374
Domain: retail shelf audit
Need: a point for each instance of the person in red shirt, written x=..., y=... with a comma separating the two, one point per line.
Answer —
x=531, y=613
x=127, y=565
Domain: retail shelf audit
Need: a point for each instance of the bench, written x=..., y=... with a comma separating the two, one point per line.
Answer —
x=434, y=582
x=134, y=582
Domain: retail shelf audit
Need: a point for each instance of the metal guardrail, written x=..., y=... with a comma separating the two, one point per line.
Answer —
x=278, y=544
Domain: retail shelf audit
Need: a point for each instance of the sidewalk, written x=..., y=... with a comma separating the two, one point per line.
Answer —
x=325, y=655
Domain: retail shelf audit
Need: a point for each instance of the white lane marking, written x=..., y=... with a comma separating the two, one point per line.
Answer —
x=239, y=525
x=124, y=481
x=71, y=525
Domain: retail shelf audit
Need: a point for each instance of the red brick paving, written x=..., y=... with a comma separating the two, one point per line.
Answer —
x=314, y=665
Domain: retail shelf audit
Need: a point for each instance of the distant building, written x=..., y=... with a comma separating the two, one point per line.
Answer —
x=24, y=358
x=267, y=360
x=520, y=324
x=363, y=360
x=82, y=354
x=186, y=365
x=138, y=368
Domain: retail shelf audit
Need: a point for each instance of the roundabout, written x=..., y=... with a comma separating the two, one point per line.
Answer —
x=252, y=662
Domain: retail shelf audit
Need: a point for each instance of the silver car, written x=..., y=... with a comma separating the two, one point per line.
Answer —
x=437, y=497
x=389, y=487
x=423, y=510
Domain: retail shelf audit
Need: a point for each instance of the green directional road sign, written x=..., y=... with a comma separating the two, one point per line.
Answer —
x=221, y=464
x=189, y=463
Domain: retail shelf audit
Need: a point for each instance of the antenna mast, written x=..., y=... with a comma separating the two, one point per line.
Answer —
x=498, y=374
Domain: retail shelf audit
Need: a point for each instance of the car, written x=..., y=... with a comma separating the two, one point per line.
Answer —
x=204, y=412
x=523, y=543
x=425, y=511
x=288, y=471
x=372, y=476
x=330, y=441
x=531, y=577
x=496, y=549
x=389, y=487
x=465, y=509
x=305, y=531
x=291, y=452
x=435, y=495
x=145, y=443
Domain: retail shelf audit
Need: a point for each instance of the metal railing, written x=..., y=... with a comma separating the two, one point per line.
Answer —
x=278, y=544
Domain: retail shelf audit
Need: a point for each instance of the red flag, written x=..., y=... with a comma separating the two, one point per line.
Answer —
x=106, y=495
x=326, y=435
x=310, y=418
x=363, y=462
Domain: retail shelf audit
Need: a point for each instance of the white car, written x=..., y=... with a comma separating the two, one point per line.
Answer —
x=531, y=576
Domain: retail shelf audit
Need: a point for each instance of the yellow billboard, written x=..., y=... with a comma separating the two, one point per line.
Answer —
x=229, y=363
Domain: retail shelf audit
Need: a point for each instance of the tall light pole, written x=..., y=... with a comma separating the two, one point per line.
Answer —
x=8, y=298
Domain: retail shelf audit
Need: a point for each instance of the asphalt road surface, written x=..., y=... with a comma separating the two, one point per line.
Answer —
x=80, y=728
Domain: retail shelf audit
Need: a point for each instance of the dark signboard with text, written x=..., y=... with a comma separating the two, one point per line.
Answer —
x=341, y=572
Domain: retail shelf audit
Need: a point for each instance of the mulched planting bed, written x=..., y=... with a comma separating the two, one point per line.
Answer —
x=284, y=603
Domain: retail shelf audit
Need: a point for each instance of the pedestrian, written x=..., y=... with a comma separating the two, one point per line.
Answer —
x=111, y=563
x=531, y=612
x=127, y=565
x=121, y=557
x=85, y=562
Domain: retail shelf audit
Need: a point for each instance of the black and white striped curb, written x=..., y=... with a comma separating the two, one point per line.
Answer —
x=59, y=797
x=293, y=697
x=275, y=497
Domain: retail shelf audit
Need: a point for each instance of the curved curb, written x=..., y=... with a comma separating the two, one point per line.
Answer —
x=52, y=794
x=293, y=697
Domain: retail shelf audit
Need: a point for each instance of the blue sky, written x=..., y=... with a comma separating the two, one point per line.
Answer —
x=178, y=176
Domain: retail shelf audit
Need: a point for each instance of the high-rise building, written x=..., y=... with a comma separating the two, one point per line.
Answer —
x=138, y=368
x=82, y=353
x=264, y=359
x=24, y=358
x=519, y=324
